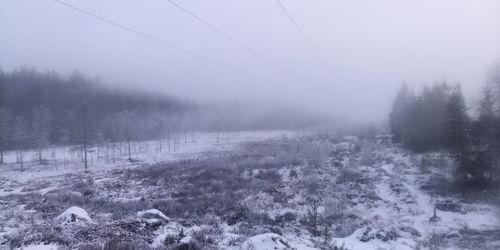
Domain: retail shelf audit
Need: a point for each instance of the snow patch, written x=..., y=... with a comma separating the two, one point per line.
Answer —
x=40, y=247
x=270, y=241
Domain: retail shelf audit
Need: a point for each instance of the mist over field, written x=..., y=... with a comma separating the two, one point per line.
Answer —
x=281, y=124
x=367, y=49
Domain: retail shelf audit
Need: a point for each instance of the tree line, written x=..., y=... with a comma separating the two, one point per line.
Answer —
x=439, y=119
x=42, y=109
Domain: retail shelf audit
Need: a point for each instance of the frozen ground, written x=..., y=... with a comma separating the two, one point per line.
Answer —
x=257, y=190
x=66, y=160
x=406, y=210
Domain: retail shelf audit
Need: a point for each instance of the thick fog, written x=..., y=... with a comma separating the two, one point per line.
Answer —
x=359, y=53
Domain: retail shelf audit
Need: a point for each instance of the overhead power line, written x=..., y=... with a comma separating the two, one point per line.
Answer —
x=297, y=27
x=222, y=33
x=232, y=39
x=144, y=35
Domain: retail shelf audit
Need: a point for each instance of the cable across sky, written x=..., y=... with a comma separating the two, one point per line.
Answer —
x=222, y=33
x=182, y=50
x=144, y=35
x=297, y=27
x=232, y=39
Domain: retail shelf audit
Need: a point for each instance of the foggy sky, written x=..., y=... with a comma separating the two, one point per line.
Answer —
x=370, y=48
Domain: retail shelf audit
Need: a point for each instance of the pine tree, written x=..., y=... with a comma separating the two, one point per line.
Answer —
x=495, y=80
x=419, y=122
x=483, y=136
x=457, y=124
x=435, y=100
x=497, y=132
x=398, y=117
x=487, y=117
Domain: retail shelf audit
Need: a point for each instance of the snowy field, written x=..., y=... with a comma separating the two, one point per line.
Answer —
x=252, y=190
x=64, y=160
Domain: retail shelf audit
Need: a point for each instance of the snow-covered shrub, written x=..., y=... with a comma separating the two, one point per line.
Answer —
x=367, y=155
x=47, y=208
x=278, y=194
x=271, y=176
x=312, y=186
x=38, y=233
x=293, y=174
x=335, y=204
x=349, y=175
x=171, y=240
x=206, y=238
x=235, y=240
x=53, y=203
x=346, y=228
x=85, y=187
x=254, y=219
x=198, y=240
x=191, y=245
x=435, y=241
x=410, y=231
x=367, y=235
x=285, y=218
x=16, y=240
x=315, y=154
x=238, y=214
x=117, y=244
x=387, y=235
x=336, y=246
x=89, y=246
x=312, y=220
x=469, y=238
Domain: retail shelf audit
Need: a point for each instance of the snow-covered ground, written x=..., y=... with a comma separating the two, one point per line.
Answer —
x=252, y=190
x=407, y=209
x=64, y=160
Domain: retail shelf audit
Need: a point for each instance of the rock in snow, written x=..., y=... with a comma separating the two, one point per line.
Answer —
x=152, y=214
x=74, y=214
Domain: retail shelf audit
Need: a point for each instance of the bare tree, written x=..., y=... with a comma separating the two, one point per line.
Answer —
x=86, y=131
x=40, y=123
x=159, y=132
x=20, y=138
x=123, y=119
x=4, y=131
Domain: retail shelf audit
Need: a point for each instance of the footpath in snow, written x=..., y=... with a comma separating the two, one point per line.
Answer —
x=404, y=216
